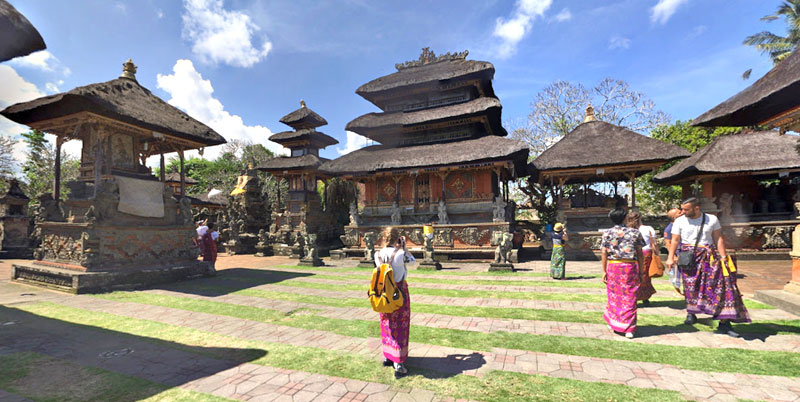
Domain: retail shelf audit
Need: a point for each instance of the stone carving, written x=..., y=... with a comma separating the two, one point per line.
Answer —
x=503, y=251
x=415, y=235
x=107, y=198
x=428, y=253
x=428, y=57
x=395, y=214
x=796, y=242
x=707, y=204
x=355, y=220
x=49, y=210
x=185, y=217
x=369, y=246
x=777, y=237
x=725, y=207
x=350, y=238
x=470, y=235
x=443, y=237
x=428, y=260
x=443, y=218
x=499, y=210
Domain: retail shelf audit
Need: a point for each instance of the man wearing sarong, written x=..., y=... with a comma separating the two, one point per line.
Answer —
x=395, y=326
x=622, y=259
x=710, y=286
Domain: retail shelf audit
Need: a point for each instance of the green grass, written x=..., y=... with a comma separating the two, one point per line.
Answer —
x=445, y=272
x=494, y=387
x=693, y=358
x=44, y=378
x=487, y=294
x=783, y=327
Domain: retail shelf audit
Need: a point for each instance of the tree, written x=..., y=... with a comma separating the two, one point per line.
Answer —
x=38, y=169
x=656, y=198
x=7, y=161
x=776, y=46
x=559, y=108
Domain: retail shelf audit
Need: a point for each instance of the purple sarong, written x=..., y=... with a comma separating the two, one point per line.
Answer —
x=709, y=291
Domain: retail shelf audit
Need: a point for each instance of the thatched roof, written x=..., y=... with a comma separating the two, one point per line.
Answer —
x=303, y=118
x=121, y=99
x=747, y=153
x=774, y=93
x=20, y=37
x=599, y=144
x=384, y=157
x=306, y=162
x=315, y=137
x=375, y=125
x=203, y=200
x=176, y=178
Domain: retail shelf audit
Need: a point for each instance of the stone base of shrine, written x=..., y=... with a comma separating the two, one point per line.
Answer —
x=310, y=262
x=61, y=277
x=444, y=254
x=787, y=299
x=429, y=265
x=500, y=266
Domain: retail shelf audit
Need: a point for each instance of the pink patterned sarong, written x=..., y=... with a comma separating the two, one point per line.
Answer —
x=622, y=283
x=394, y=329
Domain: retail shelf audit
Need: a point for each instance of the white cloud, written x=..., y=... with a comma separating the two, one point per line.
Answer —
x=512, y=31
x=121, y=7
x=664, y=9
x=15, y=89
x=697, y=31
x=42, y=60
x=223, y=36
x=193, y=94
x=618, y=42
x=354, y=142
x=51, y=88
x=159, y=14
x=563, y=15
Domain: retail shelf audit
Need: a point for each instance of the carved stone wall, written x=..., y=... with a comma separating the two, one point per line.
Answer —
x=444, y=236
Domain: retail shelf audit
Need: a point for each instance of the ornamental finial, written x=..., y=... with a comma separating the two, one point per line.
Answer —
x=589, y=114
x=302, y=103
x=128, y=70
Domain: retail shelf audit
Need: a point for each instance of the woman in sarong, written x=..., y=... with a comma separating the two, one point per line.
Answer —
x=395, y=325
x=622, y=258
x=209, y=245
x=710, y=285
x=650, y=251
x=557, y=259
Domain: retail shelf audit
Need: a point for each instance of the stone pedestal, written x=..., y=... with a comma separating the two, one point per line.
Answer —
x=311, y=262
x=501, y=266
x=794, y=285
x=365, y=263
x=431, y=265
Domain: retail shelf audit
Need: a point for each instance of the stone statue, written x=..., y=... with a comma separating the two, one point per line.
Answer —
x=428, y=253
x=369, y=246
x=355, y=220
x=503, y=252
x=185, y=205
x=310, y=255
x=499, y=209
x=796, y=199
x=428, y=260
x=443, y=218
x=262, y=236
x=725, y=207
x=395, y=213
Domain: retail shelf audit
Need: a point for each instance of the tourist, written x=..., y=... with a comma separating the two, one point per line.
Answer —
x=201, y=230
x=672, y=214
x=395, y=326
x=209, y=245
x=557, y=259
x=646, y=289
x=622, y=259
x=674, y=275
x=708, y=285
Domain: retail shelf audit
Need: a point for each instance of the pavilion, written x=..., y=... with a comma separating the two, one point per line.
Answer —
x=120, y=226
x=441, y=158
x=597, y=152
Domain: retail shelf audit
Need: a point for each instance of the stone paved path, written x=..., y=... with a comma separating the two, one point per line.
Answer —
x=694, y=384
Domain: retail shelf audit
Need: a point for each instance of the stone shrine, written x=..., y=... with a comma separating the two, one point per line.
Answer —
x=14, y=223
x=248, y=213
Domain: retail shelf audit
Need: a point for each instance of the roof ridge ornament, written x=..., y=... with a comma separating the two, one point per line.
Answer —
x=302, y=103
x=429, y=57
x=589, y=114
x=128, y=70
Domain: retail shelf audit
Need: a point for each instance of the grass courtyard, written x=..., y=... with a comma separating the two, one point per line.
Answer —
x=264, y=329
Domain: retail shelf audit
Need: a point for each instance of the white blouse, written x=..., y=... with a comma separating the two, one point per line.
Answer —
x=398, y=263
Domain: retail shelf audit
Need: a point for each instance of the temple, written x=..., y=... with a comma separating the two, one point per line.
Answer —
x=120, y=226
x=442, y=158
x=14, y=223
x=597, y=152
x=304, y=213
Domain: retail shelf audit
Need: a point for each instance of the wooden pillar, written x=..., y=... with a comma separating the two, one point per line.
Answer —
x=98, y=158
x=183, y=173
x=57, y=170
x=708, y=188
x=325, y=194
x=633, y=190
x=163, y=167
x=585, y=193
x=397, y=188
x=279, y=179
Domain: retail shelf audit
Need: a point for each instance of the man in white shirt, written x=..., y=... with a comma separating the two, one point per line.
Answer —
x=709, y=286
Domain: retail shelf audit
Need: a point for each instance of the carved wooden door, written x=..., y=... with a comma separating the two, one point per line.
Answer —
x=423, y=192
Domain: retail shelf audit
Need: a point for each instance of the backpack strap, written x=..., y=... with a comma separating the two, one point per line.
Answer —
x=391, y=258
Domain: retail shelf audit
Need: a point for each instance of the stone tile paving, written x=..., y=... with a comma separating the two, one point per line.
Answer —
x=661, y=336
x=6, y=396
x=693, y=384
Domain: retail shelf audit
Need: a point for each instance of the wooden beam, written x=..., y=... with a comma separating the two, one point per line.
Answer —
x=183, y=173
x=57, y=170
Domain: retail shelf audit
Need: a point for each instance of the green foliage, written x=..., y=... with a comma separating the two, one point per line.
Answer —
x=652, y=198
x=775, y=46
x=38, y=170
x=340, y=194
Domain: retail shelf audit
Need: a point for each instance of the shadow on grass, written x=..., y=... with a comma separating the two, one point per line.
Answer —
x=754, y=331
x=673, y=304
x=136, y=367
x=579, y=277
x=232, y=280
x=444, y=367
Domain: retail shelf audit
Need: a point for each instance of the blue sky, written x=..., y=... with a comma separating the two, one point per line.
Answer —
x=239, y=65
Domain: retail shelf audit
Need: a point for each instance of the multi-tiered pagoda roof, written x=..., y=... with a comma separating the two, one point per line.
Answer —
x=304, y=142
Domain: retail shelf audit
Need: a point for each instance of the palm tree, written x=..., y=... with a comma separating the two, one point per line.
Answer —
x=776, y=46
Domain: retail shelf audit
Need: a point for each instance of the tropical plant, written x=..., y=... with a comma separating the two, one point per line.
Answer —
x=776, y=46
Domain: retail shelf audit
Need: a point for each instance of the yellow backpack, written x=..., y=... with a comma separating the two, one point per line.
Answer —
x=384, y=296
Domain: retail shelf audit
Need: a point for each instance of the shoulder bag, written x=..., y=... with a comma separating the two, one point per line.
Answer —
x=686, y=261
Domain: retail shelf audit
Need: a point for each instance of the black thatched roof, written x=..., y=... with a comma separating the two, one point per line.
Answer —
x=597, y=144
x=176, y=178
x=19, y=36
x=374, y=125
x=315, y=137
x=303, y=118
x=308, y=162
x=383, y=157
x=774, y=93
x=746, y=153
x=203, y=200
x=120, y=99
